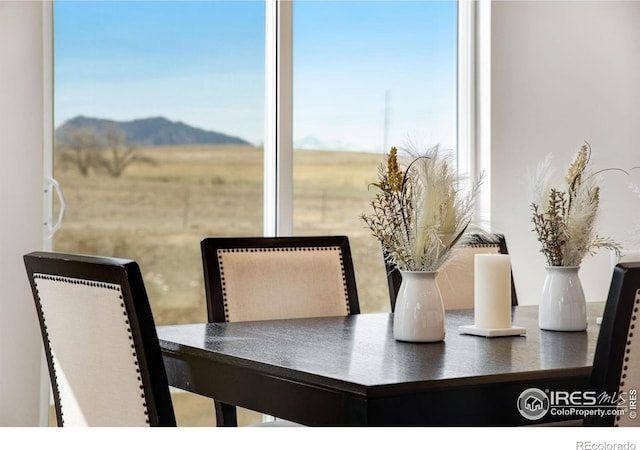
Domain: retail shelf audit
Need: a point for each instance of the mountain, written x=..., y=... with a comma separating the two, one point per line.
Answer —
x=151, y=131
x=313, y=143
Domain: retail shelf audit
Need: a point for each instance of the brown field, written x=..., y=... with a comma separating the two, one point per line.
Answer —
x=158, y=213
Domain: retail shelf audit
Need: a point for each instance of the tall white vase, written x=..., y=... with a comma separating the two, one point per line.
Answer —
x=563, y=306
x=419, y=311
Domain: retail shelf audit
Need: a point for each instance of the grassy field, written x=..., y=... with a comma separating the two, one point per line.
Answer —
x=158, y=213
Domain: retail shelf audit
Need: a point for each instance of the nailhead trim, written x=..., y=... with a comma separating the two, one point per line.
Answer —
x=222, y=251
x=627, y=350
x=482, y=245
x=101, y=285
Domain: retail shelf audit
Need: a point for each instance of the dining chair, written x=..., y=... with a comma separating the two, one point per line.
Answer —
x=616, y=364
x=100, y=341
x=262, y=278
x=455, y=279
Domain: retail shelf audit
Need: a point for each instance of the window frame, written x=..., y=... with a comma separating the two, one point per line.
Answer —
x=473, y=156
x=278, y=142
x=278, y=114
x=473, y=141
x=278, y=149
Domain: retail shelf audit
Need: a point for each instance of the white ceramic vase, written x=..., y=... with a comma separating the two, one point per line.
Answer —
x=562, y=306
x=419, y=311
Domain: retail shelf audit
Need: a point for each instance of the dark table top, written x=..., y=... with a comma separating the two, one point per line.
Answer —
x=357, y=354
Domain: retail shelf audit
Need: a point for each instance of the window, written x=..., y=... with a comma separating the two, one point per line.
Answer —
x=159, y=122
x=159, y=113
x=367, y=75
x=159, y=110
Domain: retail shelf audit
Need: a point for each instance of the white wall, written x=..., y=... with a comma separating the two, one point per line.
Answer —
x=21, y=166
x=563, y=73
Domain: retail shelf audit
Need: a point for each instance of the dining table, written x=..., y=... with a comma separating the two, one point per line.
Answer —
x=350, y=371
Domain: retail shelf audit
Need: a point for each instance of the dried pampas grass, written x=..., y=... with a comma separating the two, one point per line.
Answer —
x=421, y=213
x=564, y=217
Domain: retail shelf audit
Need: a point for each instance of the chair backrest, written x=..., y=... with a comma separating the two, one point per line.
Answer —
x=616, y=364
x=456, y=278
x=100, y=341
x=258, y=278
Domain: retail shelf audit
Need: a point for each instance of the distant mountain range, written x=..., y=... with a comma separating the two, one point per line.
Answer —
x=313, y=143
x=150, y=132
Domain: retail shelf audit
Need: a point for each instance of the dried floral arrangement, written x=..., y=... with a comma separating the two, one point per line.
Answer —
x=420, y=212
x=564, y=218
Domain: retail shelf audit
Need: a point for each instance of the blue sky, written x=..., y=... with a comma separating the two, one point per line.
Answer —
x=202, y=62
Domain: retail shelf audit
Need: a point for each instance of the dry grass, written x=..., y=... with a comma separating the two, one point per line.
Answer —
x=158, y=214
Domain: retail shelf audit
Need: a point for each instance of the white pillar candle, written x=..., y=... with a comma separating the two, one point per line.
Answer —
x=492, y=290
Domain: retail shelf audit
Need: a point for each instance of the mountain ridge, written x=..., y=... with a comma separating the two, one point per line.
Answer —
x=151, y=131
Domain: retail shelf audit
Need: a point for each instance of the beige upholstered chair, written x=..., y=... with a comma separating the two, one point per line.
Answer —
x=260, y=278
x=455, y=279
x=100, y=341
x=616, y=365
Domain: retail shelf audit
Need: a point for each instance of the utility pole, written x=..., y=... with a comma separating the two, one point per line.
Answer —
x=387, y=101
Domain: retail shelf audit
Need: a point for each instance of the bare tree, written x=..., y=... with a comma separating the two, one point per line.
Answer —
x=79, y=148
x=117, y=155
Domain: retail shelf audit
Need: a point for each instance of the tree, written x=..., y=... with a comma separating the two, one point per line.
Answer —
x=117, y=156
x=80, y=147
